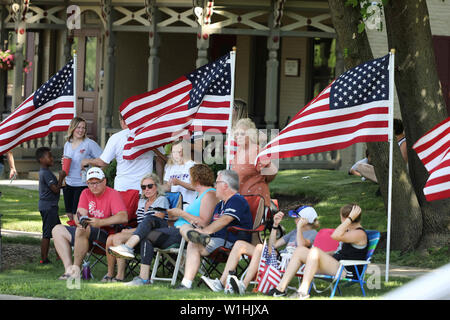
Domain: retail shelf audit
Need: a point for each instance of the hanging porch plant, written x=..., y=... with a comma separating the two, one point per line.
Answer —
x=7, y=61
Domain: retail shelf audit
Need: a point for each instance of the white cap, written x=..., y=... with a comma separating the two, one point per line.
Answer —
x=305, y=212
x=95, y=172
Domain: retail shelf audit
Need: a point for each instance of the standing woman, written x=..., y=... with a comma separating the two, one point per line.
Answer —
x=77, y=147
x=253, y=179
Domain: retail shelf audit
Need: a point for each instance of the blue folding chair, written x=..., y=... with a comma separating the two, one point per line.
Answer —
x=373, y=237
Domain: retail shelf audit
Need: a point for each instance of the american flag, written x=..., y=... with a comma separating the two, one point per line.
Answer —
x=199, y=101
x=269, y=276
x=434, y=151
x=353, y=108
x=50, y=108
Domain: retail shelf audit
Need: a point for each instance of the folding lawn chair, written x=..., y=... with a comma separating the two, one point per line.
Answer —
x=97, y=250
x=170, y=260
x=373, y=237
x=220, y=255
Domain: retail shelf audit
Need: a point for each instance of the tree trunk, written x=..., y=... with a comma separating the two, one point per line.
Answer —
x=421, y=101
x=405, y=207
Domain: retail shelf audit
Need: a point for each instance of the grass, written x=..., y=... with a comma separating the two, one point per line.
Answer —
x=328, y=190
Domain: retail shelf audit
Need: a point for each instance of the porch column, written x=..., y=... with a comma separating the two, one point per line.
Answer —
x=202, y=35
x=3, y=74
x=153, y=43
x=272, y=65
x=108, y=77
x=19, y=38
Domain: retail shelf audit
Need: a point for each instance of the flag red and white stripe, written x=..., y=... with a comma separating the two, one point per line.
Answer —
x=269, y=276
x=353, y=108
x=433, y=149
x=48, y=109
x=199, y=101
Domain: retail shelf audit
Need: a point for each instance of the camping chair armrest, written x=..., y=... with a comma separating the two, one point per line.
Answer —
x=235, y=229
x=353, y=262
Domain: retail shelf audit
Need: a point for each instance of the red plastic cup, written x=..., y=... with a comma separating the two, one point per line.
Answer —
x=66, y=164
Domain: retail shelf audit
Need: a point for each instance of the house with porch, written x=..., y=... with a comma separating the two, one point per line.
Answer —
x=286, y=53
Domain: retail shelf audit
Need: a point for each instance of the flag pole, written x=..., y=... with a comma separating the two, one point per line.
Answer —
x=230, y=116
x=391, y=153
x=74, y=66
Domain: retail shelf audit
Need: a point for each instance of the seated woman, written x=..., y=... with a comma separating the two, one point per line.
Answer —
x=305, y=220
x=353, y=246
x=152, y=197
x=199, y=213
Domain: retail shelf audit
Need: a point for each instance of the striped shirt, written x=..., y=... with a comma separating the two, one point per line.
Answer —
x=160, y=202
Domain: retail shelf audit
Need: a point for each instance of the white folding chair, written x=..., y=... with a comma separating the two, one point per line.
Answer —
x=165, y=257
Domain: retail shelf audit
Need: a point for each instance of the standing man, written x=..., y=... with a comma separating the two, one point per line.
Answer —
x=232, y=210
x=128, y=172
x=99, y=209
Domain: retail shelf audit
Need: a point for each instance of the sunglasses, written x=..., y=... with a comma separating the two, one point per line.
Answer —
x=145, y=186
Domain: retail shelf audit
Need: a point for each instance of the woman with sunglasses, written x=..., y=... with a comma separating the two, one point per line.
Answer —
x=253, y=179
x=198, y=213
x=152, y=198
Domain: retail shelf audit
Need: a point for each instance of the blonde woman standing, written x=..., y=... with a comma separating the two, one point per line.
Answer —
x=77, y=148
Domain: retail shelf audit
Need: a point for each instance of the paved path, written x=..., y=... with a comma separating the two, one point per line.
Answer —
x=25, y=184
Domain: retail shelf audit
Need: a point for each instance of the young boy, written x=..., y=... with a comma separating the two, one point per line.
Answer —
x=49, y=191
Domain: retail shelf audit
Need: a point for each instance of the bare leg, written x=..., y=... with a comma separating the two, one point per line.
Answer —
x=252, y=269
x=62, y=239
x=298, y=258
x=240, y=247
x=193, y=258
x=81, y=245
x=120, y=238
x=184, y=229
x=317, y=260
x=45, y=245
x=145, y=272
x=109, y=257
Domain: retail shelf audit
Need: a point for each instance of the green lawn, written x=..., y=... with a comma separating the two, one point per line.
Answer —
x=329, y=190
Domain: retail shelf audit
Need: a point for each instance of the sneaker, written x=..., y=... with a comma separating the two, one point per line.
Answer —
x=276, y=293
x=228, y=288
x=122, y=251
x=237, y=285
x=182, y=287
x=138, y=281
x=215, y=285
x=198, y=237
x=299, y=296
x=46, y=261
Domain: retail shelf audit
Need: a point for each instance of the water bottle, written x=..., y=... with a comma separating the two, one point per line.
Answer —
x=83, y=175
x=86, y=271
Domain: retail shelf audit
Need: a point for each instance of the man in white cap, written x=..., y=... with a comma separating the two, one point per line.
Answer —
x=99, y=209
x=303, y=235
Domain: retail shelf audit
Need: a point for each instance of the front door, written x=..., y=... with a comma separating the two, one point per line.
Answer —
x=87, y=45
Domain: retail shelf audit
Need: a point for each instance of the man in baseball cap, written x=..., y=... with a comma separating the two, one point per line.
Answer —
x=99, y=209
x=305, y=212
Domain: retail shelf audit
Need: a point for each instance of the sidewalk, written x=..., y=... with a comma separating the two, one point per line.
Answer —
x=21, y=183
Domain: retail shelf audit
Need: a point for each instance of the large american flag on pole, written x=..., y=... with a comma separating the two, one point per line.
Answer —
x=50, y=108
x=433, y=149
x=353, y=108
x=198, y=101
x=269, y=276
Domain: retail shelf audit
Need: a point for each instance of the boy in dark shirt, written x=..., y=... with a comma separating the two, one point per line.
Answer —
x=49, y=191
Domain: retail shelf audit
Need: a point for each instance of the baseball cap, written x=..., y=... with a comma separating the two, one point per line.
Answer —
x=306, y=212
x=95, y=172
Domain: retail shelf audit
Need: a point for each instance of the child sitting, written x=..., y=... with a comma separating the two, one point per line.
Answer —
x=49, y=191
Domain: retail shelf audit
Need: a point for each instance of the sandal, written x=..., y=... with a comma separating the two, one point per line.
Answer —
x=106, y=278
x=65, y=276
x=116, y=280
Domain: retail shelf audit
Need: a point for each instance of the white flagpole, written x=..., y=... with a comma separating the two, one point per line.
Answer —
x=230, y=116
x=391, y=153
x=74, y=66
